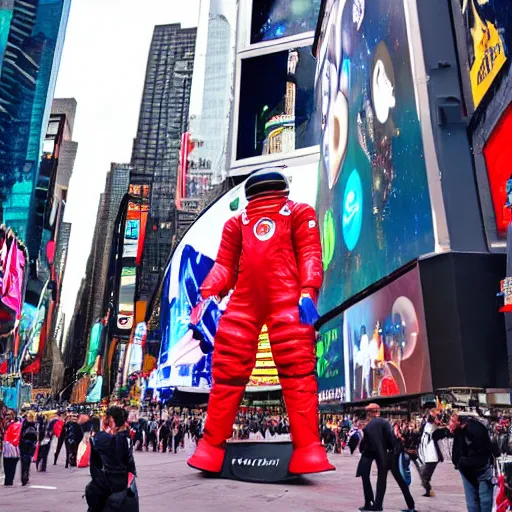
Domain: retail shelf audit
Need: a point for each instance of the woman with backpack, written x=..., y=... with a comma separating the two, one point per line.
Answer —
x=399, y=464
x=112, y=487
x=11, y=447
x=28, y=442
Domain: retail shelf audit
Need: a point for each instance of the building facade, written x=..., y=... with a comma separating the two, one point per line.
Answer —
x=31, y=41
x=163, y=119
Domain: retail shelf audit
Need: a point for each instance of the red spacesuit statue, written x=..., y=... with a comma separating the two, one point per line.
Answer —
x=271, y=255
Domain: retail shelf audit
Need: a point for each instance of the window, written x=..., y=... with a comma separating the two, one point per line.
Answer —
x=276, y=113
x=274, y=19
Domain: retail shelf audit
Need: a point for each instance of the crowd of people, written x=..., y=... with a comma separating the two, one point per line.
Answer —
x=470, y=442
x=473, y=444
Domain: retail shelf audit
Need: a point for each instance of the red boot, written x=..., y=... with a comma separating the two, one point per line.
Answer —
x=301, y=397
x=222, y=408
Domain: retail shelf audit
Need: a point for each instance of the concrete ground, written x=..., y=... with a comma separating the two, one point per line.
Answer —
x=166, y=483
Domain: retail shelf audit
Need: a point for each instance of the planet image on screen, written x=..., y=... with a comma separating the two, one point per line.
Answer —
x=352, y=210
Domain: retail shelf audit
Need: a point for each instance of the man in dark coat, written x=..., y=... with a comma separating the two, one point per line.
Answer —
x=377, y=442
x=71, y=436
x=28, y=443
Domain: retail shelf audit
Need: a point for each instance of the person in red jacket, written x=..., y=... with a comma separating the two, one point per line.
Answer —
x=271, y=255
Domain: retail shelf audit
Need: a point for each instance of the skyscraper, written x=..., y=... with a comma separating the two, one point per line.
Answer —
x=217, y=93
x=31, y=41
x=155, y=159
x=89, y=305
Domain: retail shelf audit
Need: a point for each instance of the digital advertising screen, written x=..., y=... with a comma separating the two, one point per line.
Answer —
x=274, y=19
x=131, y=238
x=373, y=200
x=385, y=342
x=276, y=113
x=126, y=299
x=488, y=27
x=498, y=156
x=330, y=358
x=181, y=361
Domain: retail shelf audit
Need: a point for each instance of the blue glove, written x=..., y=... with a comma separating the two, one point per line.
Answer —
x=307, y=310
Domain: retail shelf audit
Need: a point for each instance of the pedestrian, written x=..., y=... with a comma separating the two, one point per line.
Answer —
x=377, y=442
x=71, y=436
x=11, y=447
x=152, y=438
x=28, y=443
x=472, y=456
x=397, y=458
x=112, y=487
x=164, y=436
x=52, y=431
x=412, y=439
x=429, y=453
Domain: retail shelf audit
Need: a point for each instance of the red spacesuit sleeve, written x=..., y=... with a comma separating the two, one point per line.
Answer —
x=222, y=277
x=308, y=248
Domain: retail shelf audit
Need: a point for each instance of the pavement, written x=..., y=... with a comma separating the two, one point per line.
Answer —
x=166, y=483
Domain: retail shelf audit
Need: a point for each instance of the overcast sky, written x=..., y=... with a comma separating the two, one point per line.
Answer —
x=103, y=67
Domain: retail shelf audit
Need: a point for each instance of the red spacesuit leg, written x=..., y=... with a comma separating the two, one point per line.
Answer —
x=293, y=348
x=234, y=357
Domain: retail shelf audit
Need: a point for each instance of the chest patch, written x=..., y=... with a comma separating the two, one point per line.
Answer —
x=264, y=229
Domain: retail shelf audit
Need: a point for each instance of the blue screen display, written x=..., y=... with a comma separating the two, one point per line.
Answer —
x=373, y=200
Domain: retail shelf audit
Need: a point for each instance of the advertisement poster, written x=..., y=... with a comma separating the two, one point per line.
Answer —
x=385, y=342
x=373, y=203
x=330, y=358
x=488, y=26
x=498, y=155
x=181, y=362
x=126, y=299
x=274, y=19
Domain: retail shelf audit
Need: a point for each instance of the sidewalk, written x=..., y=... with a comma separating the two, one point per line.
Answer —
x=166, y=483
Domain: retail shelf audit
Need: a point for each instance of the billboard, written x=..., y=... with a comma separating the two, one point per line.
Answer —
x=385, y=342
x=488, y=28
x=181, y=362
x=498, y=155
x=330, y=358
x=126, y=299
x=373, y=200
x=276, y=112
x=274, y=19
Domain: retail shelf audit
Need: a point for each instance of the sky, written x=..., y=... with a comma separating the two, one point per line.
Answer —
x=103, y=67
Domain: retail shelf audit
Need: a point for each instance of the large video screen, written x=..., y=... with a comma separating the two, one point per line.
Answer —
x=274, y=19
x=373, y=203
x=126, y=299
x=181, y=362
x=330, y=366
x=385, y=342
x=277, y=105
x=498, y=155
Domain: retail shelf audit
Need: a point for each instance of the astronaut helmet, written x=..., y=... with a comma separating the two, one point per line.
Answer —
x=266, y=181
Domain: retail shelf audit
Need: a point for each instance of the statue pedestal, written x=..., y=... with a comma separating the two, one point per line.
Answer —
x=258, y=461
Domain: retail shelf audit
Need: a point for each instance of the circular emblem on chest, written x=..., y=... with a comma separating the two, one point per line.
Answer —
x=264, y=229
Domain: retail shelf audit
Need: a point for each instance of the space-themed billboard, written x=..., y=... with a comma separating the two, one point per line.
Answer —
x=181, y=361
x=385, y=342
x=274, y=19
x=373, y=200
